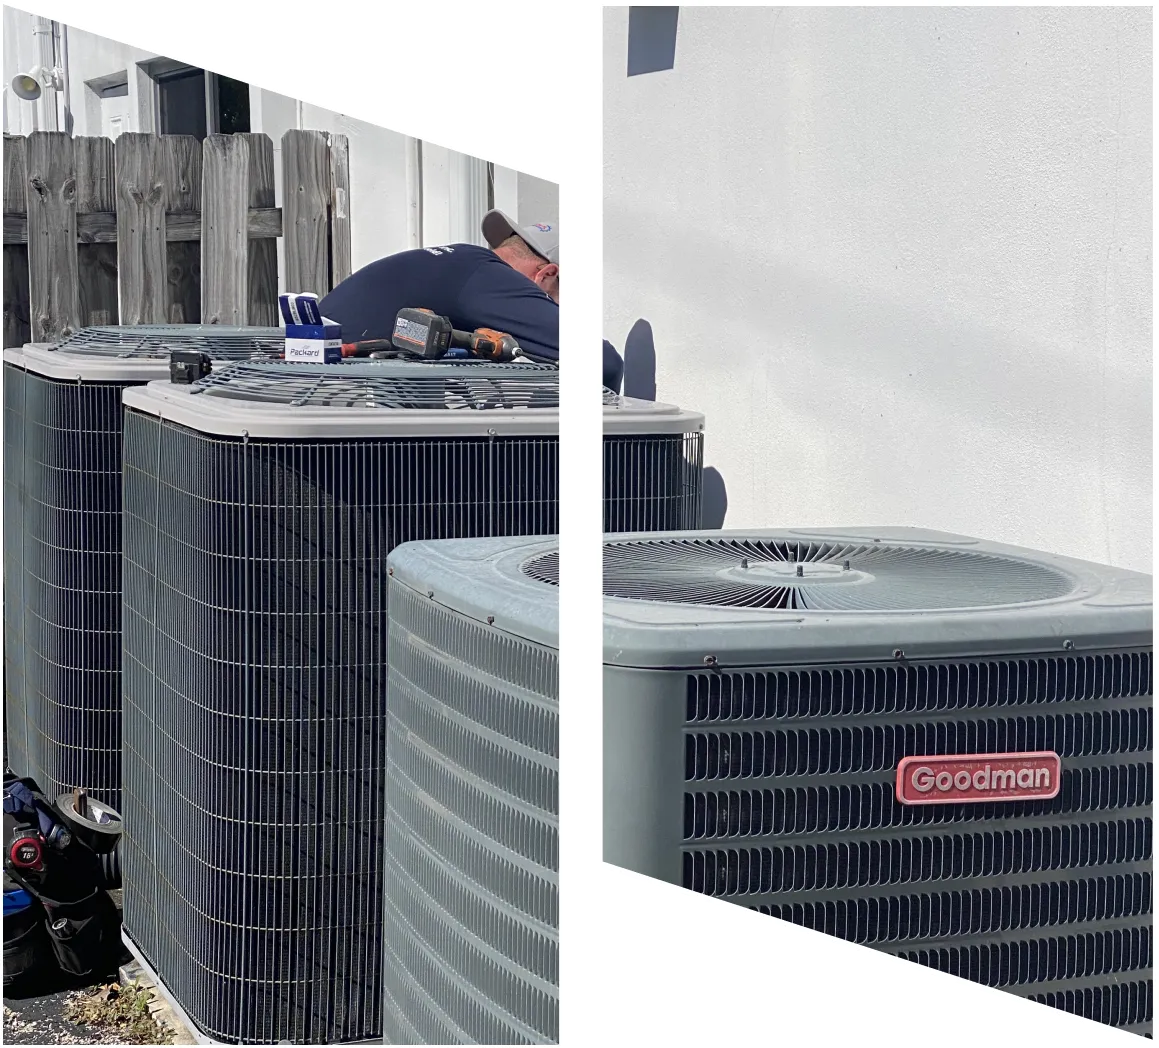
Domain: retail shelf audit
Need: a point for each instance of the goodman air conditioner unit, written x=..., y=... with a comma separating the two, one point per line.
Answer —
x=929, y=744
x=62, y=540
x=653, y=465
x=260, y=505
x=472, y=800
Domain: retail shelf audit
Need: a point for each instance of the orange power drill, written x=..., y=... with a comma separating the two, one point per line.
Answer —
x=425, y=334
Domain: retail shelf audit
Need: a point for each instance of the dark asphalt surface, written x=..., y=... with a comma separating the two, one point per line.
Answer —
x=34, y=1006
x=34, y=1012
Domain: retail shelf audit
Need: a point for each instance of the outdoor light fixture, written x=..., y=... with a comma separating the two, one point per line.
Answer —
x=30, y=85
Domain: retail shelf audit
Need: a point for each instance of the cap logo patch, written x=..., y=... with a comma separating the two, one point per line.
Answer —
x=541, y=227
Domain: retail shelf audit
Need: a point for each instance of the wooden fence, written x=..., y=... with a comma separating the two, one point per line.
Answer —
x=166, y=229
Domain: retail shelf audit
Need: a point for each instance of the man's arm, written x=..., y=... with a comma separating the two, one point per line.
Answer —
x=613, y=368
x=498, y=297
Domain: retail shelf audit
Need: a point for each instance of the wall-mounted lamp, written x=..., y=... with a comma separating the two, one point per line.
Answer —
x=32, y=84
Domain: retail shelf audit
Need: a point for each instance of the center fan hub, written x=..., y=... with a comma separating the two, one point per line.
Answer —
x=788, y=573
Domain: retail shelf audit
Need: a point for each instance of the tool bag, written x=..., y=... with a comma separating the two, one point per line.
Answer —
x=25, y=936
x=62, y=876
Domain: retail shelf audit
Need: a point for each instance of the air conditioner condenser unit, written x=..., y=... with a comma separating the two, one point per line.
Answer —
x=929, y=744
x=472, y=801
x=62, y=539
x=260, y=506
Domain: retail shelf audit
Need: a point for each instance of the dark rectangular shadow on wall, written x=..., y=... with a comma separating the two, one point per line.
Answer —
x=651, y=39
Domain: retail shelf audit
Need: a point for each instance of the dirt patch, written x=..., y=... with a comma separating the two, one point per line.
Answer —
x=116, y=1014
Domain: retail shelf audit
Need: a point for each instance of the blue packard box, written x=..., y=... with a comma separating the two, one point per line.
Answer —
x=309, y=335
x=320, y=343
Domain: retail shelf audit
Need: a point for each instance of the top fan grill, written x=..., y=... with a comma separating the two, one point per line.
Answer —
x=157, y=341
x=820, y=576
x=545, y=567
x=388, y=384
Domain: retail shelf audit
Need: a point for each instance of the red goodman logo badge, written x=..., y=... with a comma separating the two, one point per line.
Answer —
x=979, y=777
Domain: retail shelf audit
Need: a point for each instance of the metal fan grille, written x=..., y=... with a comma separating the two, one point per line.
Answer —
x=653, y=483
x=823, y=576
x=471, y=933
x=545, y=568
x=788, y=808
x=254, y=670
x=389, y=386
x=149, y=341
x=62, y=542
x=15, y=695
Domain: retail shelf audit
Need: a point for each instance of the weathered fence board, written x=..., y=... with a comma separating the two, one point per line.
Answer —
x=53, y=275
x=340, y=237
x=263, y=253
x=141, y=206
x=154, y=229
x=224, y=244
x=17, y=329
x=182, y=162
x=96, y=263
x=305, y=206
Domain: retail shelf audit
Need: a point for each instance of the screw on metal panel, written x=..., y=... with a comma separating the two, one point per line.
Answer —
x=800, y=571
x=490, y=620
x=744, y=562
x=898, y=653
x=1068, y=645
x=430, y=593
x=390, y=571
x=845, y=565
x=710, y=660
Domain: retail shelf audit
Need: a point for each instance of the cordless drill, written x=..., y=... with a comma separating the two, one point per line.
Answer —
x=429, y=336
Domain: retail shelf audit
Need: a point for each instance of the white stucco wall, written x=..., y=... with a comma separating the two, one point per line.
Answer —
x=538, y=200
x=90, y=57
x=901, y=258
x=377, y=170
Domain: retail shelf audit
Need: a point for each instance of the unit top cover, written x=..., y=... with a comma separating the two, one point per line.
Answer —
x=141, y=353
x=625, y=416
x=280, y=400
x=484, y=579
x=737, y=598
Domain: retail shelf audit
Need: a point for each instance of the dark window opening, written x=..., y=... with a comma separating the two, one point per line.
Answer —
x=181, y=99
x=194, y=102
x=233, y=106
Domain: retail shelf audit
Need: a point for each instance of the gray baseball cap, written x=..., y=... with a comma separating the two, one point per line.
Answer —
x=542, y=238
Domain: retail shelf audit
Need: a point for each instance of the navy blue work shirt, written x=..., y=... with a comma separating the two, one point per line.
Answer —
x=471, y=285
